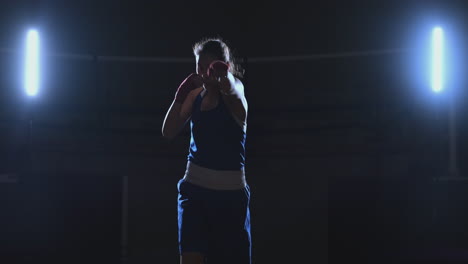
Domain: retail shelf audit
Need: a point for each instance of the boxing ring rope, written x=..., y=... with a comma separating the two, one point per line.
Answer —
x=303, y=57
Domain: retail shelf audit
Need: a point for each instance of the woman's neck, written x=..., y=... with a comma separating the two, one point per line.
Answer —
x=211, y=93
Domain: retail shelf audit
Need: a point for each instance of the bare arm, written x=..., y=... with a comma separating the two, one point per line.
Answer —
x=173, y=123
x=178, y=115
x=234, y=98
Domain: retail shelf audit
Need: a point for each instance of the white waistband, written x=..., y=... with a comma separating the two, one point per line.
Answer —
x=215, y=179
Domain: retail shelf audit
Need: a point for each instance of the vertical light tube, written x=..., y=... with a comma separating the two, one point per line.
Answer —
x=437, y=59
x=31, y=78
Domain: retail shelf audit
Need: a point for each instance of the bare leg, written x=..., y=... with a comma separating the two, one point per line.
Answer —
x=192, y=258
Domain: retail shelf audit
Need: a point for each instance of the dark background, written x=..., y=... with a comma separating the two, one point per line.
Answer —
x=342, y=152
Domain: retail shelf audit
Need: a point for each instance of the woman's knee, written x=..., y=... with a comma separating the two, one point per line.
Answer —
x=192, y=258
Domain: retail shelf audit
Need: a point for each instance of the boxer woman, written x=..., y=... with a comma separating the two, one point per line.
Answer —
x=213, y=195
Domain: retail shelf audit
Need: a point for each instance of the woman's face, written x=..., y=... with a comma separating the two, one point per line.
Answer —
x=203, y=62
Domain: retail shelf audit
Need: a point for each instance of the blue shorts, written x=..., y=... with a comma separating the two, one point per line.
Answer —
x=215, y=223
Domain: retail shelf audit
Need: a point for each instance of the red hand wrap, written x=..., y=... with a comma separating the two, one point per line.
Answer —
x=191, y=82
x=218, y=69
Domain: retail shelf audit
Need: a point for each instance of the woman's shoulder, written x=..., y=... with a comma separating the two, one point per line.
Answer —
x=239, y=84
x=195, y=92
x=237, y=80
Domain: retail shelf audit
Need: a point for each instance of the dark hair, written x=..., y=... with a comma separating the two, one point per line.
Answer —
x=219, y=49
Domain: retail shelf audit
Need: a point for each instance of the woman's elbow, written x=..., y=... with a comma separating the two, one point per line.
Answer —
x=167, y=134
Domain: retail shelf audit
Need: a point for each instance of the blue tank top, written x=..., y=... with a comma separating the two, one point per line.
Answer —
x=217, y=141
